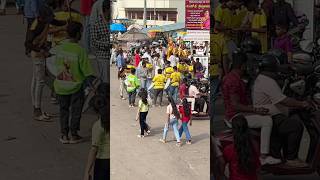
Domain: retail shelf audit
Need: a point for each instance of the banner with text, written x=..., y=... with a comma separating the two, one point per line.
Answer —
x=197, y=14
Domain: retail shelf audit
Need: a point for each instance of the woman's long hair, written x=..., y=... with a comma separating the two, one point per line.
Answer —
x=144, y=96
x=186, y=107
x=242, y=143
x=174, y=107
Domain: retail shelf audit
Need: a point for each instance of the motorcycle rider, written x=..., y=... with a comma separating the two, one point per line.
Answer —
x=287, y=129
x=236, y=101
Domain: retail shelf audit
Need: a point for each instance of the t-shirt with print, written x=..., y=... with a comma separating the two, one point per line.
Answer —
x=143, y=107
x=73, y=66
x=159, y=81
x=267, y=93
x=101, y=140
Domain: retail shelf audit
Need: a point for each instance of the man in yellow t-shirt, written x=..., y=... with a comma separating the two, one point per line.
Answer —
x=183, y=68
x=175, y=82
x=256, y=22
x=168, y=70
x=159, y=82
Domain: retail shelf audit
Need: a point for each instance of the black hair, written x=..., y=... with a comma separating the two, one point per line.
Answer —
x=186, y=107
x=101, y=106
x=174, y=107
x=247, y=2
x=144, y=96
x=242, y=143
x=133, y=71
x=74, y=29
x=282, y=25
x=143, y=63
x=46, y=14
x=159, y=71
x=175, y=68
x=239, y=58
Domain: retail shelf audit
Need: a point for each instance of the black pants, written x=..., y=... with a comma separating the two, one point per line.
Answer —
x=157, y=92
x=73, y=103
x=199, y=104
x=102, y=169
x=143, y=124
x=286, y=135
x=132, y=97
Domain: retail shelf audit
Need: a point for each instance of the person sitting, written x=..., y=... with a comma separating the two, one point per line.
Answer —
x=195, y=98
x=236, y=101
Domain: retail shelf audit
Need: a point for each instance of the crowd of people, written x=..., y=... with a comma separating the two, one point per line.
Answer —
x=239, y=24
x=54, y=33
x=154, y=71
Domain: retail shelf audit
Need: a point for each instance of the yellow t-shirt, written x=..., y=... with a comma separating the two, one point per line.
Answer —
x=168, y=71
x=190, y=69
x=175, y=79
x=219, y=50
x=224, y=16
x=159, y=81
x=143, y=107
x=182, y=67
x=237, y=18
x=259, y=20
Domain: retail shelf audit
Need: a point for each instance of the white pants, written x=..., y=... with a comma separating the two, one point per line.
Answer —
x=193, y=102
x=122, y=87
x=265, y=123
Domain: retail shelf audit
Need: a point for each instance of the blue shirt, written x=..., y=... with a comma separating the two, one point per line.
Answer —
x=31, y=8
x=120, y=61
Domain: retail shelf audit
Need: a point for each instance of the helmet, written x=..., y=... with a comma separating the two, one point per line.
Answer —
x=269, y=63
x=280, y=55
x=251, y=45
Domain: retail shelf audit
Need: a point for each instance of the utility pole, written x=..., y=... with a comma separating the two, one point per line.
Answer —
x=145, y=14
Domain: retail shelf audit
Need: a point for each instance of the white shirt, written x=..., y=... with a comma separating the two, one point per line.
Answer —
x=267, y=93
x=173, y=60
x=170, y=111
x=147, y=55
x=193, y=91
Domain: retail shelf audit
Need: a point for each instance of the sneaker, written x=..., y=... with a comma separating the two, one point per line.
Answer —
x=64, y=139
x=296, y=163
x=140, y=136
x=148, y=131
x=162, y=140
x=188, y=142
x=269, y=160
x=194, y=112
x=42, y=118
x=75, y=139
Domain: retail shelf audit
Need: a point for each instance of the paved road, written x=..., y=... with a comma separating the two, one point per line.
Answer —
x=29, y=149
x=134, y=159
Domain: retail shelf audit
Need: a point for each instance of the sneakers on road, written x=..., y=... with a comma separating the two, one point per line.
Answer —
x=64, y=139
x=269, y=160
x=140, y=136
x=162, y=140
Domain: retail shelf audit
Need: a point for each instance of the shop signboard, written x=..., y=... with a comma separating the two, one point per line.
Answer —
x=197, y=14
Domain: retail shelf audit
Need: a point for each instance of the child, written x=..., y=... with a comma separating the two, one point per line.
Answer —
x=70, y=89
x=142, y=113
x=185, y=111
x=283, y=40
x=99, y=156
x=240, y=156
x=173, y=117
x=132, y=84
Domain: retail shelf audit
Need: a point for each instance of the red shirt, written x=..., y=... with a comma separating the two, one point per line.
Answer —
x=231, y=157
x=233, y=85
x=184, y=117
x=182, y=90
x=137, y=59
x=85, y=7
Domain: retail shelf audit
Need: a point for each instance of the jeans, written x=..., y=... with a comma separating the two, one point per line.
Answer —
x=103, y=70
x=3, y=4
x=86, y=33
x=122, y=87
x=143, y=124
x=143, y=84
x=38, y=81
x=265, y=123
x=132, y=97
x=75, y=103
x=174, y=124
x=174, y=93
x=184, y=128
x=101, y=169
x=214, y=89
x=157, y=92
x=286, y=135
x=148, y=84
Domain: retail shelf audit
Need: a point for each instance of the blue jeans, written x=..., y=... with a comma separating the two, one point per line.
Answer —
x=174, y=93
x=174, y=124
x=214, y=89
x=184, y=128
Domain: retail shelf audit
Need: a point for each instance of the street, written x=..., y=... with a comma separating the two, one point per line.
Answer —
x=31, y=150
x=134, y=159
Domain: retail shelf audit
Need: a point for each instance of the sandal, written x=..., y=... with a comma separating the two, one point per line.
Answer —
x=188, y=142
x=178, y=144
x=162, y=140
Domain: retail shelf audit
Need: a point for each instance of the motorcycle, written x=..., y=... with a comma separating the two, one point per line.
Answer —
x=304, y=83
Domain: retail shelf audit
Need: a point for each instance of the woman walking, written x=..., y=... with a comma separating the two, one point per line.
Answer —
x=142, y=113
x=185, y=111
x=172, y=121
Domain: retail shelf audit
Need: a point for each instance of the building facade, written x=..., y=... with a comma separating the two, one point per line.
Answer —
x=159, y=12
